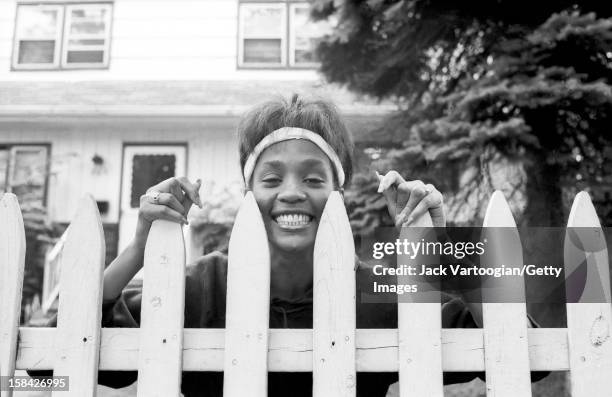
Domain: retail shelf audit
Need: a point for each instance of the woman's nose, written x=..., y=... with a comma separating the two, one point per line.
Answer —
x=291, y=192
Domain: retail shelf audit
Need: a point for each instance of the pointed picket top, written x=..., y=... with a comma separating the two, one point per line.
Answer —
x=585, y=254
x=334, y=316
x=248, y=305
x=502, y=247
x=498, y=212
x=80, y=301
x=583, y=212
x=335, y=223
x=12, y=261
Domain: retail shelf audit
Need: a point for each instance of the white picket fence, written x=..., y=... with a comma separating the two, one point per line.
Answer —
x=246, y=350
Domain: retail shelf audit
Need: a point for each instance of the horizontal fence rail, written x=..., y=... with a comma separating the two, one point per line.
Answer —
x=334, y=350
x=291, y=350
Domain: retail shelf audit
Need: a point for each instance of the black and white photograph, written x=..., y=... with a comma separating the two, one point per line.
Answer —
x=328, y=198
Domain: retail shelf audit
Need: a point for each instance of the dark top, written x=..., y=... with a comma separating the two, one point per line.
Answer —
x=205, y=289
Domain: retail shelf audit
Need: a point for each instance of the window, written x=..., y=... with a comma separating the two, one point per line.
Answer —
x=23, y=171
x=62, y=36
x=278, y=34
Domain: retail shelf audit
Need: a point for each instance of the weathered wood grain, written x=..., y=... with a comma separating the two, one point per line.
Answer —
x=589, y=320
x=334, y=316
x=419, y=324
x=291, y=350
x=504, y=311
x=80, y=302
x=248, y=305
x=162, y=312
x=12, y=261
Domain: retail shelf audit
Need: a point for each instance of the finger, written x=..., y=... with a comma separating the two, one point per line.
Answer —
x=169, y=200
x=405, y=190
x=152, y=212
x=164, y=186
x=415, y=191
x=391, y=178
x=167, y=213
x=388, y=187
x=387, y=193
x=191, y=189
x=431, y=203
x=390, y=196
x=175, y=189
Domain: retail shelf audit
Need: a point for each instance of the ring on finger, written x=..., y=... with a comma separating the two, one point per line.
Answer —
x=154, y=194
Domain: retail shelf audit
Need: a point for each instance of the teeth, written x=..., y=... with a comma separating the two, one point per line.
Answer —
x=293, y=220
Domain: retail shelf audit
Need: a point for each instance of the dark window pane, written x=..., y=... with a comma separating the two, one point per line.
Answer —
x=85, y=57
x=149, y=170
x=36, y=51
x=86, y=42
x=262, y=51
x=28, y=175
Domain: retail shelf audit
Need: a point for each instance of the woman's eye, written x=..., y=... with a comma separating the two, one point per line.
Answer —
x=271, y=179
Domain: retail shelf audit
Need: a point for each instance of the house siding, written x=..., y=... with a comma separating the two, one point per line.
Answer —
x=158, y=39
x=211, y=149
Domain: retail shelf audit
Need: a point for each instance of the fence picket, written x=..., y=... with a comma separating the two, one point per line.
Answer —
x=12, y=261
x=334, y=316
x=420, y=342
x=588, y=324
x=248, y=305
x=80, y=302
x=504, y=320
x=162, y=312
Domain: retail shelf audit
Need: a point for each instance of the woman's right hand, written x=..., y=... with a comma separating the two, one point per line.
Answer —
x=169, y=200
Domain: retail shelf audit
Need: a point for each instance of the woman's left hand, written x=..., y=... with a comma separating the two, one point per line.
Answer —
x=407, y=201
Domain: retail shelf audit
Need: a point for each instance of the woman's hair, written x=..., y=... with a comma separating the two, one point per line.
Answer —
x=314, y=114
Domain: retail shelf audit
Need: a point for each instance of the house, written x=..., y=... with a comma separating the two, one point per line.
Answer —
x=109, y=97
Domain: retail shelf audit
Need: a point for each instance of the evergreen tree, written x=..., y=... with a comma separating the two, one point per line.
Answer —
x=481, y=85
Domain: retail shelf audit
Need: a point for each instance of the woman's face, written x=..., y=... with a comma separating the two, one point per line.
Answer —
x=291, y=183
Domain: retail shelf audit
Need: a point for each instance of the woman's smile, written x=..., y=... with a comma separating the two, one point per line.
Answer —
x=293, y=221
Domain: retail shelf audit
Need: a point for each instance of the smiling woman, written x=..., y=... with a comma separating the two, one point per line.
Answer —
x=293, y=155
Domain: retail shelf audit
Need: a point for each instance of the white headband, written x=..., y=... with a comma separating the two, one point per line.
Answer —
x=288, y=133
